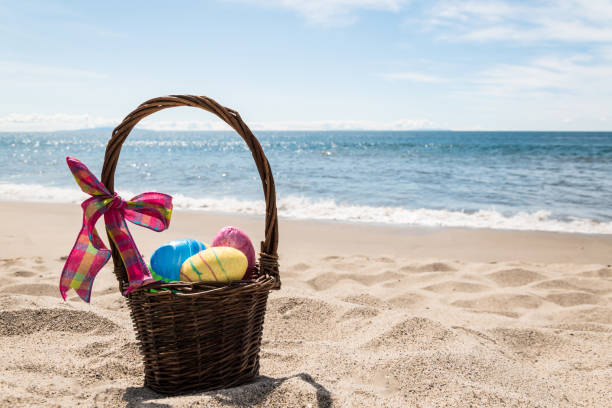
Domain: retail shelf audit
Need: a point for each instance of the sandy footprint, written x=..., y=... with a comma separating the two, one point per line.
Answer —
x=500, y=302
x=599, y=286
x=324, y=281
x=6, y=263
x=33, y=289
x=456, y=286
x=300, y=267
x=303, y=318
x=430, y=267
x=372, y=279
x=587, y=327
x=415, y=279
x=416, y=331
x=582, y=314
x=554, y=284
x=409, y=300
x=28, y=321
x=598, y=273
x=361, y=313
x=331, y=258
x=567, y=299
x=30, y=264
x=365, y=299
x=328, y=280
x=515, y=277
x=510, y=315
x=475, y=277
x=475, y=334
x=348, y=266
x=529, y=343
x=24, y=274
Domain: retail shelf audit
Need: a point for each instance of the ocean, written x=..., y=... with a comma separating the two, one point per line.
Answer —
x=548, y=181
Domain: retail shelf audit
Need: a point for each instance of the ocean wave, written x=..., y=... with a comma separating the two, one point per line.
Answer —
x=306, y=208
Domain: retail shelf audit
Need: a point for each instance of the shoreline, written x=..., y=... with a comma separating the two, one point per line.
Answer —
x=471, y=244
x=365, y=224
x=374, y=224
x=299, y=208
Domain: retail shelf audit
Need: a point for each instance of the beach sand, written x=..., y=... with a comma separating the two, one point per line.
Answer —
x=367, y=316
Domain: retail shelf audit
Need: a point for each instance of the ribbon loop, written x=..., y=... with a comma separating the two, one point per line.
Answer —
x=89, y=254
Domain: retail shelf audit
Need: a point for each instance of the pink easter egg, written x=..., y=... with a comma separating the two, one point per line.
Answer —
x=236, y=238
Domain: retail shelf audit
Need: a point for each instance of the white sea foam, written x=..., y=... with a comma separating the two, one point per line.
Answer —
x=306, y=208
x=38, y=193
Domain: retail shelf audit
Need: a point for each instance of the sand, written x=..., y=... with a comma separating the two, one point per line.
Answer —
x=367, y=316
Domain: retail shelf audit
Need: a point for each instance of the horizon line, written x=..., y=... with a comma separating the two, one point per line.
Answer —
x=146, y=129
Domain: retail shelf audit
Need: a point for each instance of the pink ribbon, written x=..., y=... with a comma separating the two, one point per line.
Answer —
x=89, y=254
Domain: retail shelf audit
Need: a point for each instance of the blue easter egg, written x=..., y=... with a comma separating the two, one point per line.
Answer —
x=166, y=261
x=156, y=276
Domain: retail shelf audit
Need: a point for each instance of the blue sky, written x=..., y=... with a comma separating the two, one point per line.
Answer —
x=320, y=64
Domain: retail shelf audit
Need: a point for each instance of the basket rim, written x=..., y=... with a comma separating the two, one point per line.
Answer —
x=190, y=289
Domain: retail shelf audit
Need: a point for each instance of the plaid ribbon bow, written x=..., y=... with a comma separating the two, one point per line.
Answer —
x=89, y=255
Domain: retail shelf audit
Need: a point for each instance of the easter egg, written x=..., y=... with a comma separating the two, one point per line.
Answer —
x=236, y=238
x=157, y=277
x=215, y=264
x=166, y=261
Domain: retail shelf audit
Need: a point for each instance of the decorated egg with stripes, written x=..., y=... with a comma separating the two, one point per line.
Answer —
x=214, y=264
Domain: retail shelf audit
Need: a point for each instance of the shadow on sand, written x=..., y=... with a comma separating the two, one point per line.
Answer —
x=245, y=395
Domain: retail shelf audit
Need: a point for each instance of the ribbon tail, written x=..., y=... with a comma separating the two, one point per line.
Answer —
x=83, y=263
x=137, y=271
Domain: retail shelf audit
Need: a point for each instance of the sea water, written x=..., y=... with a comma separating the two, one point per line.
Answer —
x=552, y=181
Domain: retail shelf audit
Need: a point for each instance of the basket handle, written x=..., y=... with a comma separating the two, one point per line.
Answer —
x=268, y=255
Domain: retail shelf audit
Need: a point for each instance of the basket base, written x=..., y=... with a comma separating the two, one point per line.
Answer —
x=187, y=388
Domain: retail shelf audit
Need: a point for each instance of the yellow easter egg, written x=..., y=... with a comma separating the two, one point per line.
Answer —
x=214, y=264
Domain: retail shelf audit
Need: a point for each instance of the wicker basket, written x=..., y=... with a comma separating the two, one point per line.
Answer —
x=200, y=336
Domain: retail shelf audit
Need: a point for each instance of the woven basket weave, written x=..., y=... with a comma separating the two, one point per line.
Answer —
x=202, y=335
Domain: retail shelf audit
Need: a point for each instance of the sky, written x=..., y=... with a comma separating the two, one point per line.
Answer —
x=309, y=65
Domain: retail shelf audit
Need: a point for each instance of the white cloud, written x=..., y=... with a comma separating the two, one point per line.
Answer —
x=571, y=21
x=45, y=122
x=22, y=69
x=40, y=122
x=484, y=10
x=546, y=30
x=412, y=76
x=548, y=92
x=575, y=75
x=332, y=12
